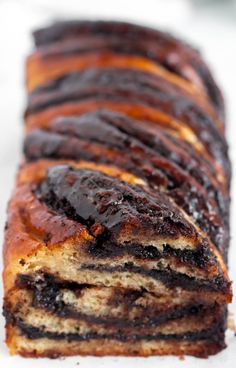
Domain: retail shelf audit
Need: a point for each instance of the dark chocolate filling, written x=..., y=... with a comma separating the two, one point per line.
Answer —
x=134, y=86
x=215, y=334
x=133, y=39
x=124, y=131
x=47, y=295
x=106, y=249
x=142, y=320
x=170, y=278
x=148, y=165
x=92, y=197
x=130, y=148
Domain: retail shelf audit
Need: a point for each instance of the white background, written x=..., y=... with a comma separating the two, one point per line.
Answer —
x=210, y=25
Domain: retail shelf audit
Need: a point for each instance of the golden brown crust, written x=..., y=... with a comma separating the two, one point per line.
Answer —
x=117, y=232
x=32, y=227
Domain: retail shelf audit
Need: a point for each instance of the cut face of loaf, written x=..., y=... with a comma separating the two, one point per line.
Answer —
x=129, y=235
x=48, y=309
x=78, y=226
x=117, y=234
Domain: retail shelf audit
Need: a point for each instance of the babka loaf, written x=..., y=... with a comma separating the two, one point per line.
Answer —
x=118, y=230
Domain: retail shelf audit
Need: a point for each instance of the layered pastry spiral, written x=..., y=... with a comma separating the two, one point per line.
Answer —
x=118, y=230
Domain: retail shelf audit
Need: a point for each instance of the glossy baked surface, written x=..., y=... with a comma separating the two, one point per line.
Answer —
x=118, y=230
